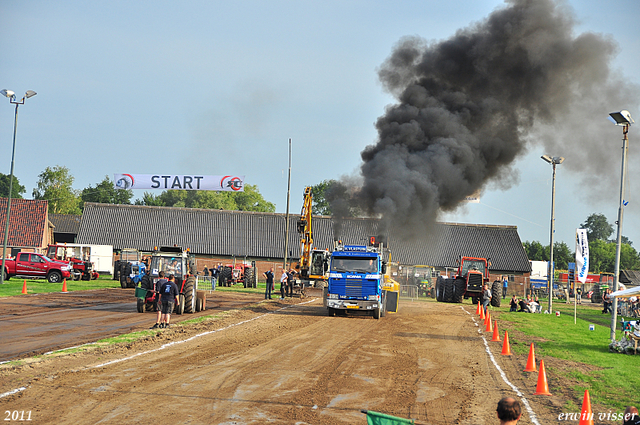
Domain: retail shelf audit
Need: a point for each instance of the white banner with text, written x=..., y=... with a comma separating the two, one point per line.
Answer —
x=582, y=255
x=179, y=182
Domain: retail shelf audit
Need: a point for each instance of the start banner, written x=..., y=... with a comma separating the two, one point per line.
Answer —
x=182, y=181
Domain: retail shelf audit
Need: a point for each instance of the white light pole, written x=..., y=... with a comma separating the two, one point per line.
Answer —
x=622, y=118
x=12, y=98
x=550, y=270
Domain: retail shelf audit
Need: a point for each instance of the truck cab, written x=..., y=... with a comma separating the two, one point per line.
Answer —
x=356, y=280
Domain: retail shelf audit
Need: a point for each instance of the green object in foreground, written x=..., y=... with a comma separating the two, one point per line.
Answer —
x=375, y=418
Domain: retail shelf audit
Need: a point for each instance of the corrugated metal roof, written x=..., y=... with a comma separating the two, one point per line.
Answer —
x=261, y=235
x=27, y=224
x=65, y=223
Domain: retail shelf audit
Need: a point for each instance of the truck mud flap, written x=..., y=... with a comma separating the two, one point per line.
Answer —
x=392, y=301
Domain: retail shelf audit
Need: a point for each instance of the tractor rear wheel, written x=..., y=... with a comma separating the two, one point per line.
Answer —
x=496, y=293
x=225, y=276
x=459, y=288
x=116, y=270
x=448, y=292
x=190, y=295
x=248, y=277
x=439, y=288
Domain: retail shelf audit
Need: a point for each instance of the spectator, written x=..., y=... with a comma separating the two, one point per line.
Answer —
x=606, y=302
x=523, y=306
x=508, y=411
x=169, y=293
x=578, y=295
x=215, y=272
x=505, y=286
x=156, y=302
x=205, y=271
x=514, y=303
x=631, y=416
x=269, y=286
x=290, y=279
x=283, y=282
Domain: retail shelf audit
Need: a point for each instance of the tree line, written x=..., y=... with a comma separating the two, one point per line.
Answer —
x=602, y=250
x=55, y=185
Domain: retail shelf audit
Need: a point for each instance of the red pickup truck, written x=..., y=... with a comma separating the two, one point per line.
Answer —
x=32, y=265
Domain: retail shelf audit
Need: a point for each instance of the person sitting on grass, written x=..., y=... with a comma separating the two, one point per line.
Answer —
x=508, y=411
x=523, y=306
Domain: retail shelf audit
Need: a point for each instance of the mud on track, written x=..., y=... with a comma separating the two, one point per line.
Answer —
x=277, y=362
x=38, y=323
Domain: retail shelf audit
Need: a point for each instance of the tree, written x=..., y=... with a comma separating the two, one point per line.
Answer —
x=562, y=255
x=536, y=251
x=597, y=227
x=106, y=193
x=602, y=255
x=16, y=190
x=320, y=205
x=55, y=186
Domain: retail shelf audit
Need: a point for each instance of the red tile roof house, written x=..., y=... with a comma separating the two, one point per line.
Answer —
x=29, y=225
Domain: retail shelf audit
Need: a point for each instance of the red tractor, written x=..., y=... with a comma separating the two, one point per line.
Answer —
x=78, y=257
x=472, y=274
x=244, y=273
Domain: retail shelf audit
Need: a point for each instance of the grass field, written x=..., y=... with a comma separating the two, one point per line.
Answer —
x=612, y=379
x=14, y=285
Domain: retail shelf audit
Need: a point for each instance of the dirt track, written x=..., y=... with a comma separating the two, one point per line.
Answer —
x=278, y=362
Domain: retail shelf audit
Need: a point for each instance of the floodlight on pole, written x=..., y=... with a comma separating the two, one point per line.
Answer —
x=622, y=118
x=551, y=270
x=12, y=99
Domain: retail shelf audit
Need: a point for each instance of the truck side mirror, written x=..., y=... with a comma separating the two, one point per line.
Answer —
x=384, y=268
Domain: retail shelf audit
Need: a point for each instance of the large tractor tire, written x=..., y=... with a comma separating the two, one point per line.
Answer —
x=459, y=288
x=440, y=288
x=116, y=270
x=140, y=305
x=496, y=293
x=123, y=273
x=190, y=295
x=225, y=276
x=449, y=290
x=248, y=277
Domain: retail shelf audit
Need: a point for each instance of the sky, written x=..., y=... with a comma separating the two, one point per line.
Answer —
x=218, y=88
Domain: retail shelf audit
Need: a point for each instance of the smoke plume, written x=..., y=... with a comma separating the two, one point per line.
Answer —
x=470, y=105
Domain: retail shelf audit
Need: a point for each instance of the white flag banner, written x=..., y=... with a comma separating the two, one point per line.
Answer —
x=582, y=255
x=181, y=181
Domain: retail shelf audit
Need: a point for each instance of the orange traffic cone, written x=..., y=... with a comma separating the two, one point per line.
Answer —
x=489, y=325
x=586, y=415
x=496, y=335
x=24, y=287
x=506, y=348
x=531, y=361
x=487, y=318
x=542, y=388
x=482, y=313
x=64, y=285
x=478, y=309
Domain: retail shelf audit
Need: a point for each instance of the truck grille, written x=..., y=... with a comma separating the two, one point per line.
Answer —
x=474, y=284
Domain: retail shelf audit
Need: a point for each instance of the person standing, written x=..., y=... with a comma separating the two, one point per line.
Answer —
x=205, y=272
x=290, y=278
x=269, y=287
x=215, y=272
x=505, y=286
x=168, y=296
x=578, y=295
x=606, y=302
x=508, y=411
x=283, y=282
x=156, y=303
x=486, y=297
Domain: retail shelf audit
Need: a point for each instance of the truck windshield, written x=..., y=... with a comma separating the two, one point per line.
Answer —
x=472, y=265
x=350, y=264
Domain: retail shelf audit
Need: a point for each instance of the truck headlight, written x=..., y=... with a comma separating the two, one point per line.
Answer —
x=374, y=297
x=332, y=296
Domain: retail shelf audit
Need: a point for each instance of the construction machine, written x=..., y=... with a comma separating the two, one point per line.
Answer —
x=314, y=263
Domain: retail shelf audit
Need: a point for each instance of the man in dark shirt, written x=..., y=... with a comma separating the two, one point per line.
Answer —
x=169, y=293
x=156, y=303
x=269, y=275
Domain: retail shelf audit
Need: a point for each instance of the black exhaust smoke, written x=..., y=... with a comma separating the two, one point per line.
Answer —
x=468, y=107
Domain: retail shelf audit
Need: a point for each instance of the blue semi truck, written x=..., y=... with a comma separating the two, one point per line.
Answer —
x=357, y=282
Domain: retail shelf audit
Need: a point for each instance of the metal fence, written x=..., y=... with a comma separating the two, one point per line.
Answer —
x=204, y=283
x=408, y=291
